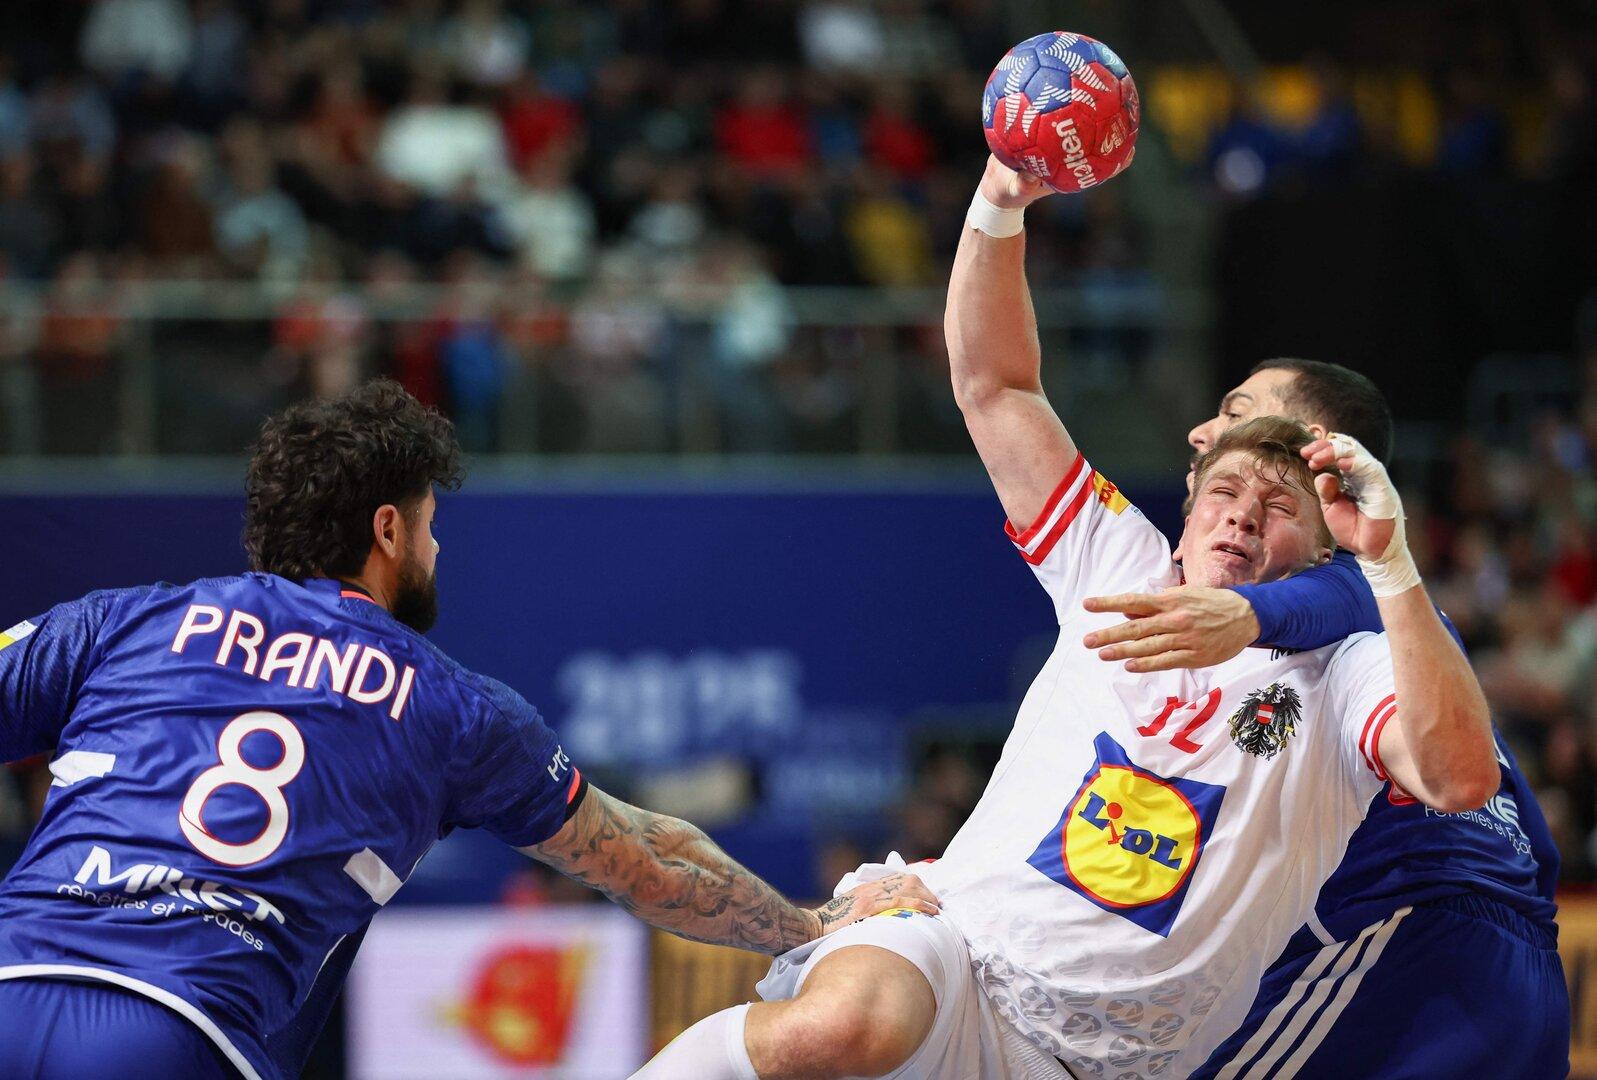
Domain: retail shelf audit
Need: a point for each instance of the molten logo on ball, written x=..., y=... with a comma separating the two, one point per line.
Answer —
x=1062, y=107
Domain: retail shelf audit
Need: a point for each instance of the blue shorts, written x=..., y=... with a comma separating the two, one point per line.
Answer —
x=69, y=1030
x=1460, y=987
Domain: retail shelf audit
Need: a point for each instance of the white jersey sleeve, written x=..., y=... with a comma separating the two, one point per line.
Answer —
x=1090, y=541
x=1362, y=697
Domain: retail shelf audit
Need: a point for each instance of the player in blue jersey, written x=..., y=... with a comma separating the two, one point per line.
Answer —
x=1465, y=899
x=246, y=769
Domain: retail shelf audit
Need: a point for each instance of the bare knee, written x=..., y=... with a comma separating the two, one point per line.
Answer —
x=862, y=1020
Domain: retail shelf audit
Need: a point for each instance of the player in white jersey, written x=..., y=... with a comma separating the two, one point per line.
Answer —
x=1147, y=843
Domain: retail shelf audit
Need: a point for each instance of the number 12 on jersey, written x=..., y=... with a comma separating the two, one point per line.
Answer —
x=1203, y=711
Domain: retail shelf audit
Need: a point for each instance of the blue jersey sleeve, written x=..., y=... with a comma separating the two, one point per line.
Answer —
x=43, y=662
x=509, y=774
x=1316, y=607
x=1319, y=607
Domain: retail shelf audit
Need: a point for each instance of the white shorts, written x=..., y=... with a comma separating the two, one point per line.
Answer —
x=968, y=1040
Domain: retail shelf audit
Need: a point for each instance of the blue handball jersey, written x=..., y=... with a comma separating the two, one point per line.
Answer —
x=1405, y=853
x=245, y=770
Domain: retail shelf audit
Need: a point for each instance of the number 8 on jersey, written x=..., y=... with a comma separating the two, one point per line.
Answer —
x=267, y=783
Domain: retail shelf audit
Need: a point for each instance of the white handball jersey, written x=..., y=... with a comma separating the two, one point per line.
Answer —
x=1148, y=843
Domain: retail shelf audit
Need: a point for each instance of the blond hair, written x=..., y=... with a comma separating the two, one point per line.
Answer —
x=1269, y=441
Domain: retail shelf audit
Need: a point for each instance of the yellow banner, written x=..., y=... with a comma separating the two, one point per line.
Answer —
x=1577, y=944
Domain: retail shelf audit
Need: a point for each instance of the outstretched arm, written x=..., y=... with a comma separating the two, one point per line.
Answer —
x=1192, y=626
x=995, y=359
x=1196, y=627
x=672, y=876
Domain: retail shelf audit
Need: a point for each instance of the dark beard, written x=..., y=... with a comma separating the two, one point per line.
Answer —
x=416, y=600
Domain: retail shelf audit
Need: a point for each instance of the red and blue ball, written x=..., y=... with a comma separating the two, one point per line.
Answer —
x=1062, y=107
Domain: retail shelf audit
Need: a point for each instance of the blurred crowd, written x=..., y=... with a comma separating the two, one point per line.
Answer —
x=1326, y=121
x=230, y=137
x=1509, y=544
x=610, y=195
x=610, y=198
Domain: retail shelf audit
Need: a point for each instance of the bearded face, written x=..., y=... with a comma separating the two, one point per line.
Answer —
x=416, y=601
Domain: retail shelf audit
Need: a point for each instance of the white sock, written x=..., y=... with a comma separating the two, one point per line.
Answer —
x=712, y=1049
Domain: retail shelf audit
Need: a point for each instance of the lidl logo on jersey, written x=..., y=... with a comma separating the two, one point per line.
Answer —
x=1130, y=840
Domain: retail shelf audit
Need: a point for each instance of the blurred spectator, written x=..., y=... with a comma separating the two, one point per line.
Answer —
x=671, y=221
x=16, y=112
x=761, y=129
x=259, y=230
x=1544, y=657
x=320, y=337
x=842, y=35
x=618, y=331
x=127, y=38
x=214, y=82
x=1571, y=138
x=488, y=46
x=89, y=211
x=29, y=228
x=1247, y=150
x=173, y=218
x=897, y=141
x=473, y=354
x=20, y=418
x=551, y=220
x=536, y=122
x=78, y=380
x=834, y=123
x=890, y=241
x=1474, y=137
x=68, y=109
x=342, y=124
x=441, y=149
x=1330, y=142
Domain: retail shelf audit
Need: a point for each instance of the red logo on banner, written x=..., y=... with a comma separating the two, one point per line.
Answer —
x=520, y=1003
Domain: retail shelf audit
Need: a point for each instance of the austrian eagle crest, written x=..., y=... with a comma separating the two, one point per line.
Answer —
x=1266, y=719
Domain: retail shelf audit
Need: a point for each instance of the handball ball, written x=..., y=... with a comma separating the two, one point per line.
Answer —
x=1062, y=107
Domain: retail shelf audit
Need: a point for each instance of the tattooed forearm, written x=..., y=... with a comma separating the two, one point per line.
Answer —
x=670, y=875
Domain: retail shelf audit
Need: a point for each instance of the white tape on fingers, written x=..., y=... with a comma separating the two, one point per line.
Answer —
x=1366, y=481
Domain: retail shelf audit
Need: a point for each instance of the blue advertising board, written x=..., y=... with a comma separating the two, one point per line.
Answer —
x=798, y=631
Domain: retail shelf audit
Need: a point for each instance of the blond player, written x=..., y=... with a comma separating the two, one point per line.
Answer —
x=1147, y=843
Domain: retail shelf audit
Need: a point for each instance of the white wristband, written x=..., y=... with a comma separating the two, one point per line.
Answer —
x=1393, y=573
x=993, y=220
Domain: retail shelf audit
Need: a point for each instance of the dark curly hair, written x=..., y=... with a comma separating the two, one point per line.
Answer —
x=321, y=469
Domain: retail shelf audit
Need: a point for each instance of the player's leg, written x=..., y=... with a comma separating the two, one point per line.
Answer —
x=862, y=1011
x=891, y=994
x=61, y=1030
x=1459, y=988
